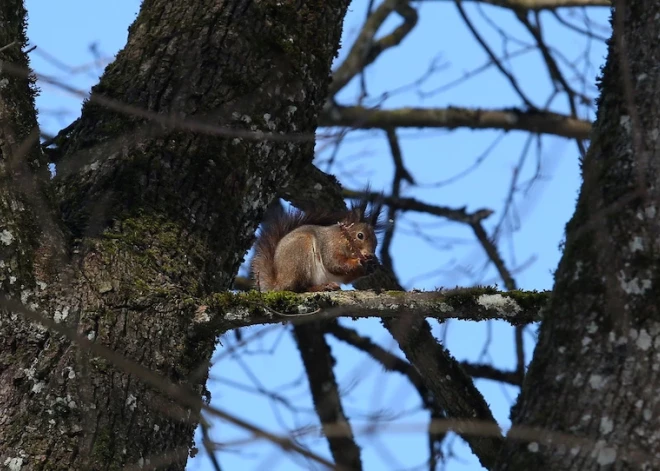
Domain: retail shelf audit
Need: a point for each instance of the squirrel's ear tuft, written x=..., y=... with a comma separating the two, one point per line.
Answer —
x=375, y=213
x=368, y=208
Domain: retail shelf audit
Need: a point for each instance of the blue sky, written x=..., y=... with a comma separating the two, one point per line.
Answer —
x=82, y=35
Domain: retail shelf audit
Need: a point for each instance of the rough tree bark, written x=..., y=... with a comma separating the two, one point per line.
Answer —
x=158, y=206
x=593, y=383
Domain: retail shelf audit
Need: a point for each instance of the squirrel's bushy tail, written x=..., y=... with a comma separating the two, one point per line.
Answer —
x=263, y=262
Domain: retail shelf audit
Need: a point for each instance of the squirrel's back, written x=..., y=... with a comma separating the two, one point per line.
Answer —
x=276, y=225
x=298, y=250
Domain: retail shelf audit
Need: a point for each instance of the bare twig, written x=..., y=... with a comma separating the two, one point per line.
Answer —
x=493, y=57
x=400, y=174
x=391, y=362
x=538, y=5
x=365, y=50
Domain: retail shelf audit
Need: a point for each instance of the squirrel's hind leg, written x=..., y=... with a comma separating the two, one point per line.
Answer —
x=324, y=287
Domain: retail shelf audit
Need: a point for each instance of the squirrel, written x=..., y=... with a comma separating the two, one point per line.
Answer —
x=315, y=250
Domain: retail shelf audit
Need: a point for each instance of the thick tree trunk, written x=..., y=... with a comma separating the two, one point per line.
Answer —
x=594, y=382
x=161, y=204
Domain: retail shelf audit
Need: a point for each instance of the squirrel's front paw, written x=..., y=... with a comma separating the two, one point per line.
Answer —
x=370, y=264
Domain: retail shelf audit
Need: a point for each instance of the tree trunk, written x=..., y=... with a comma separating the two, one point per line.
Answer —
x=593, y=384
x=160, y=185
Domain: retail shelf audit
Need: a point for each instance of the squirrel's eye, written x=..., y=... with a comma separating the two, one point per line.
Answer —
x=360, y=235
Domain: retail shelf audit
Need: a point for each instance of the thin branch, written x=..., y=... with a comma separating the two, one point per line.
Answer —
x=483, y=371
x=411, y=204
x=387, y=360
x=447, y=381
x=208, y=446
x=553, y=69
x=508, y=119
x=400, y=174
x=493, y=57
x=365, y=50
x=493, y=254
x=391, y=362
x=586, y=32
x=537, y=5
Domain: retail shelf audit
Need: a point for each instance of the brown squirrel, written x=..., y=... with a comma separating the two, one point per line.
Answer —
x=315, y=251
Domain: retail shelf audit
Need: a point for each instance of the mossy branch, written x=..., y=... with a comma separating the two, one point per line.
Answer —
x=232, y=310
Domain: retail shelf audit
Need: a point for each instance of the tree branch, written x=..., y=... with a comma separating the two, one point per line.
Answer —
x=411, y=204
x=400, y=174
x=392, y=362
x=386, y=359
x=508, y=119
x=447, y=380
x=483, y=371
x=365, y=50
x=513, y=81
x=232, y=310
x=318, y=361
x=311, y=188
x=537, y=5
